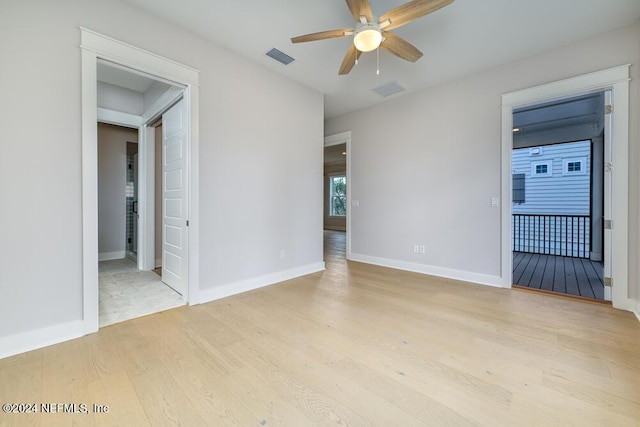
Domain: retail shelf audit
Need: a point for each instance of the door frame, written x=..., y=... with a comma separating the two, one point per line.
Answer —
x=337, y=139
x=96, y=46
x=617, y=80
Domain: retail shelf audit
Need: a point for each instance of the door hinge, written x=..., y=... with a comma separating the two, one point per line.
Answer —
x=608, y=167
x=608, y=109
x=187, y=223
x=608, y=224
x=608, y=281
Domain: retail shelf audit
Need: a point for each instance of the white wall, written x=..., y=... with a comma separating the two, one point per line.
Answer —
x=261, y=139
x=426, y=165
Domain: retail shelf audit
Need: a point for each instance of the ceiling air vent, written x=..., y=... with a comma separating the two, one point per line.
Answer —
x=279, y=56
x=388, y=89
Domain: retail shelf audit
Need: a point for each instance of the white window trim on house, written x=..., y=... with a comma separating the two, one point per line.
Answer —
x=536, y=174
x=583, y=166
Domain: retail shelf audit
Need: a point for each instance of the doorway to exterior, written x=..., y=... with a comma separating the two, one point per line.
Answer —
x=615, y=83
x=558, y=198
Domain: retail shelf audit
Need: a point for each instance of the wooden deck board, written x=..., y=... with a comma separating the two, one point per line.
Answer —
x=538, y=267
x=592, y=274
x=559, y=279
x=573, y=276
x=548, y=275
x=573, y=288
x=519, y=265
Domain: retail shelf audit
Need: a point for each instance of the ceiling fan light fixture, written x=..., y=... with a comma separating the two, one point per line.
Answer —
x=367, y=38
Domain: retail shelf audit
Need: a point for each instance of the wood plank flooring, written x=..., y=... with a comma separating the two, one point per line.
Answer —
x=565, y=275
x=353, y=345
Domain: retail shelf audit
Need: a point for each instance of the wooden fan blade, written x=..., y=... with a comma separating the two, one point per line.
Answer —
x=360, y=8
x=323, y=35
x=349, y=60
x=411, y=11
x=400, y=47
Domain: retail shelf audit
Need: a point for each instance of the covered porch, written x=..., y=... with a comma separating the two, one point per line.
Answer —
x=573, y=276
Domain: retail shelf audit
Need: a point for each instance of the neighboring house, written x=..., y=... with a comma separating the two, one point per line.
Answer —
x=552, y=199
x=552, y=179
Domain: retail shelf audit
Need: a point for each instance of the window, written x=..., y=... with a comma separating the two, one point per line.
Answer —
x=575, y=166
x=338, y=195
x=518, y=188
x=541, y=169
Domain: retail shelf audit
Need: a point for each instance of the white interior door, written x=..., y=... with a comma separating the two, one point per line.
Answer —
x=174, y=198
x=608, y=214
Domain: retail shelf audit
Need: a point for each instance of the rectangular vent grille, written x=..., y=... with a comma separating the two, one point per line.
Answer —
x=279, y=56
x=388, y=89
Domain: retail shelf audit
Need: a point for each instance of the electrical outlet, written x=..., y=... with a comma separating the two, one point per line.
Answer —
x=416, y=249
x=421, y=249
x=283, y=254
x=495, y=202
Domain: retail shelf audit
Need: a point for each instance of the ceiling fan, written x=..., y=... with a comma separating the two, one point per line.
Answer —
x=371, y=33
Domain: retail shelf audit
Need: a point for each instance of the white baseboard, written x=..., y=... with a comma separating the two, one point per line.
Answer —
x=108, y=256
x=465, y=276
x=227, y=290
x=38, y=338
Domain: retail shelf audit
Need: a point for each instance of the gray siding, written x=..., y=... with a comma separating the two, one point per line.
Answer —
x=560, y=192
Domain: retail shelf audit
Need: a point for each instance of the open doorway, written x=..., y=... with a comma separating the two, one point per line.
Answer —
x=335, y=201
x=336, y=196
x=558, y=199
x=615, y=84
x=96, y=47
x=130, y=286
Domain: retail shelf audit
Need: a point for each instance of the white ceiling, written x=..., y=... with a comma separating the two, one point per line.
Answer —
x=460, y=39
x=118, y=76
x=576, y=111
x=334, y=153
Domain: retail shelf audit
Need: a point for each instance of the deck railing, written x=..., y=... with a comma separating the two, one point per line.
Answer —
x=564, y=235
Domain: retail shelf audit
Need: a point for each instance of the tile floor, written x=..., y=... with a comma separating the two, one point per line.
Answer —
x=127, y=293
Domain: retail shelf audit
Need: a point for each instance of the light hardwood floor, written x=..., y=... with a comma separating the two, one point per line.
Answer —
x=353, y=345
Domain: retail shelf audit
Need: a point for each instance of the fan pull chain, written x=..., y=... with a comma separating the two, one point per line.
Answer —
x=378, y=61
